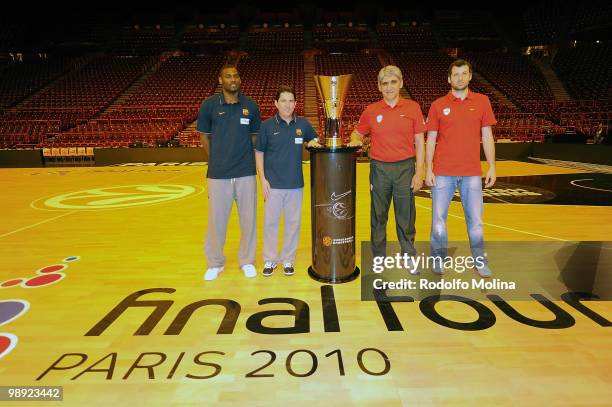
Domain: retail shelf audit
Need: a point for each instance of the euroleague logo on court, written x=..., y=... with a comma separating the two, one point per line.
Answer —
x=504, y=192
x=12, y=309
x=116, y=197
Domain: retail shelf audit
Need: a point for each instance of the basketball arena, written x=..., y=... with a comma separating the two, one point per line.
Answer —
x=106, y=205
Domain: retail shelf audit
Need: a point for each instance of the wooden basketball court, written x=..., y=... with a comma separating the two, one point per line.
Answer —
x=76, y=242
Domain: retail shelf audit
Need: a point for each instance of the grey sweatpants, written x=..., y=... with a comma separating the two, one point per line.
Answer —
x=221, y=196
x=288, y=201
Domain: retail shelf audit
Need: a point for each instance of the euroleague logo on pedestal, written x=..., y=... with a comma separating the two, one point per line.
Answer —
x=327, y=241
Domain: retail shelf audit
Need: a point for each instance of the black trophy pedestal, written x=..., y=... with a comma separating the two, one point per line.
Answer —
x=332, y=208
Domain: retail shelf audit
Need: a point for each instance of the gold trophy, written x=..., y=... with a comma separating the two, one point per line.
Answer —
x=332, y=90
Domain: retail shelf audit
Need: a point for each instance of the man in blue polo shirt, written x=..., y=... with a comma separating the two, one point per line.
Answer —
x=279, y=164
x=229, y=120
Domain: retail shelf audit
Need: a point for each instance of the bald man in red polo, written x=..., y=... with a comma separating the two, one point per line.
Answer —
x=397, y=156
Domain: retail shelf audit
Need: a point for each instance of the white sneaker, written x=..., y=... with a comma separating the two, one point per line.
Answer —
x=212, y=273
x=249, y=270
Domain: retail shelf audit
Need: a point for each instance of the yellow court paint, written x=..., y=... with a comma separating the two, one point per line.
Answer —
x=142, y=228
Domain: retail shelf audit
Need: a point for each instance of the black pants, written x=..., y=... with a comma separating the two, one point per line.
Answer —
x=392, y=180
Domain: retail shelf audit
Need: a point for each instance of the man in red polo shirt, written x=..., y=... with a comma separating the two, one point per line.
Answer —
x=457, y=122
x=397, y=155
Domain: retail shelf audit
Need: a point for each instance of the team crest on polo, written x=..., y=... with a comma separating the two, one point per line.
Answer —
x=379, y=118
x=298, y=132
x=446, y=111
x=245, y=112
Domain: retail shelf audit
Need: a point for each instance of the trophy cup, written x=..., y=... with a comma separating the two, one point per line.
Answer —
x=332, y=90
x=332, y=182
